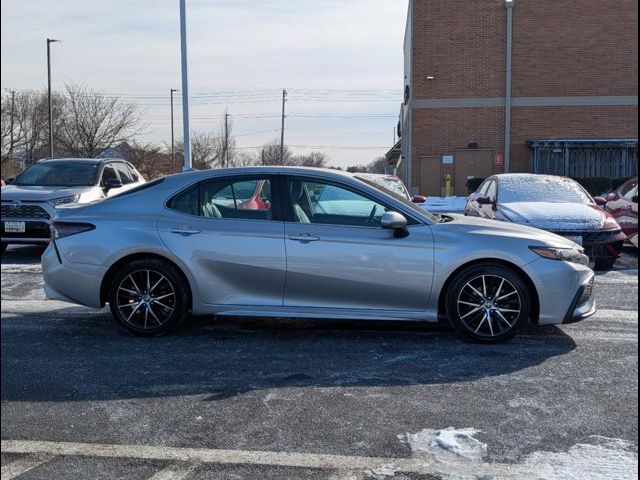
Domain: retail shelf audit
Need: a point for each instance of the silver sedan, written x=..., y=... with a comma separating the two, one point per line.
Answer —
x=296, y=242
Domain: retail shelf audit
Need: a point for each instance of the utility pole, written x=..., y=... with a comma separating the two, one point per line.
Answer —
x=186, y=132
x=226, y=140
x=49, y=42
x=284, y=102
x=173, y=144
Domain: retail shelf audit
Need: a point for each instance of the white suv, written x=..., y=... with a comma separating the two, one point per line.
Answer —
x=29, y=201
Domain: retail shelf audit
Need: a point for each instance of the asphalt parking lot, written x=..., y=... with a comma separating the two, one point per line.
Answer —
x=274, y=399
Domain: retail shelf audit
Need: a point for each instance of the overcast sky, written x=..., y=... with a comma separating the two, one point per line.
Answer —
x=341, y=60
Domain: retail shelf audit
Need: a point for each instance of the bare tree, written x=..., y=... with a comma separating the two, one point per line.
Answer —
x=313, y=159
x=205, y=152
x=379, y=165
x=150, y=160
x=269, y=154
x=93, y=122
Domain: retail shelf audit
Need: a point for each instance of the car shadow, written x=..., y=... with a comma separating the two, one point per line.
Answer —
x=23, y=254
x=81, y=358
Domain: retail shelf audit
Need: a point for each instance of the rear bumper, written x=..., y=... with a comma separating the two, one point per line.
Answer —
x=71, y=282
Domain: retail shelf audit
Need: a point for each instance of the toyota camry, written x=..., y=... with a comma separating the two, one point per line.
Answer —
x=318, y=244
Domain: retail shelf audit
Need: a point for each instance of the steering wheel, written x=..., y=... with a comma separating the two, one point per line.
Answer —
x=372, y=215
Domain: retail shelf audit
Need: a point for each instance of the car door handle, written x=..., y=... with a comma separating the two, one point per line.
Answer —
x=304, y=238
x=185, y=232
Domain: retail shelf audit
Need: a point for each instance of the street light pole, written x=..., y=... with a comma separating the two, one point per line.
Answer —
x=173, y=148
x=186, y=135
x=49, y=42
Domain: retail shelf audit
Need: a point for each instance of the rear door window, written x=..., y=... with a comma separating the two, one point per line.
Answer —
x=244, y=199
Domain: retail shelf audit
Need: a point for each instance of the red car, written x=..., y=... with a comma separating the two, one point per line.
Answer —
x=622, y=203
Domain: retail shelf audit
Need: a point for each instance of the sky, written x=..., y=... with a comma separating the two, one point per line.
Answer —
x=340, y=60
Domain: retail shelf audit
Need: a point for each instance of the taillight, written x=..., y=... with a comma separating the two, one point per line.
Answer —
x=65, y=229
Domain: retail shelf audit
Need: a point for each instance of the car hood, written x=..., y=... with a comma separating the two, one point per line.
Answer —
x=39, y=194
x=493, y=228
x=557, y=217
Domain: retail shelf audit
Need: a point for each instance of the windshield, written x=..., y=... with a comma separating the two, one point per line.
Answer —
x=394, y=184
x=59, y=174
x=401, y=198
x=542, y=189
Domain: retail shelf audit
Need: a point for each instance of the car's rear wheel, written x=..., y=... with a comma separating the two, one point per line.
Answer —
x=488, y=303
x=149, y=297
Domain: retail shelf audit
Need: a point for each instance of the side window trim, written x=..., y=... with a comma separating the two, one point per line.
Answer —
x=276, y=203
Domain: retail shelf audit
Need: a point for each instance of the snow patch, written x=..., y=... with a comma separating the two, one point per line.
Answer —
x=20, y=268
x=555, y=216
x=381, y=473
x=447, y=445
x=456, y=455
x=612, y=459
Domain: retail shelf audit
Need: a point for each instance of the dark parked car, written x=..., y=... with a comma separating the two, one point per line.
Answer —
x=622, y=203
x=556, y=204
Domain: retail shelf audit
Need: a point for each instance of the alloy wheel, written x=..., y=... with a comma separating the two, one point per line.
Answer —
x=146, y=299
x=489, y=305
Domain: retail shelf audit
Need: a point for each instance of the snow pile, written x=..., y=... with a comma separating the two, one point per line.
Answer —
x=445, y=204
x=449, y=444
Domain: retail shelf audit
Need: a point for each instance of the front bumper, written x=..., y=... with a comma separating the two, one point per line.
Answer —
x=600, y=245
x=36, y=217
x=584, y=303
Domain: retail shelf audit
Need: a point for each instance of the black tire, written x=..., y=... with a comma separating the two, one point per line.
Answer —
x=604, y=264
x=130, y=292
x=496, y=320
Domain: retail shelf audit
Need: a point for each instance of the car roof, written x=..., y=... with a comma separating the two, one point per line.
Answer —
x=267, y=170
x=93, y=161
x=515, y=176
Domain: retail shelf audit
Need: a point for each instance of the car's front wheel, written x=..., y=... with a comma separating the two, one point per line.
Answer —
x=488, y=303
x=149, y=297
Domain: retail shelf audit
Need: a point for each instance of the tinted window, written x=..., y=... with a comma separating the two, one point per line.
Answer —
x=323, y=203
x=133, y=173
x=242, y=200
x=59, y=174
x=125, y=175
x=108, y=173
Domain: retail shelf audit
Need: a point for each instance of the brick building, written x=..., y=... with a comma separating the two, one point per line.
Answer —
x=549, y=86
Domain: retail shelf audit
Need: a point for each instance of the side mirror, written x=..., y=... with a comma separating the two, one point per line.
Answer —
x=112, y=183
x=395, y=221
x=600, y=201
x=634, y=199
x=482, y=200
x=418, y=199
x=612, y=197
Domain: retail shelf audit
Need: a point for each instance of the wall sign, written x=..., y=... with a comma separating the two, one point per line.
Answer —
x=447, y=159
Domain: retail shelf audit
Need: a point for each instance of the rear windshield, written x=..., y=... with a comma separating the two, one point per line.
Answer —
x=59, y=174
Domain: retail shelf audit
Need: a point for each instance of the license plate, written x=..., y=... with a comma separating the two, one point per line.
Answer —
x=577, y=240
x=14, y=227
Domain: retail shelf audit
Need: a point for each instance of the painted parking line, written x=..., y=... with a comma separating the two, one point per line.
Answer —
x=176, y=471
x=23, y=465
x=340, y=463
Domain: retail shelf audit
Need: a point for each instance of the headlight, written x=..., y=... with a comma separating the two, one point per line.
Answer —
x=64, y=200
x=571, y=255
